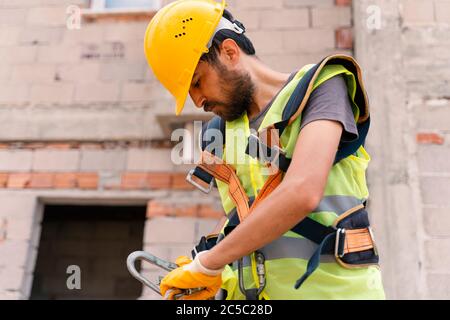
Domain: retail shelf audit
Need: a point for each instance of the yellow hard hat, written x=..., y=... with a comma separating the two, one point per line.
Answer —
x=175, y=40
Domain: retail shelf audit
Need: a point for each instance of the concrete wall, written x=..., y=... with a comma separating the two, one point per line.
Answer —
x=408, y=73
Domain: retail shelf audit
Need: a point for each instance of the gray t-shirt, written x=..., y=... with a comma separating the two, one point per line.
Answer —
x=329, y=101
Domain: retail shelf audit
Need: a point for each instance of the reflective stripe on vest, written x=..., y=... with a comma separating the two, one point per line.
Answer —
x=337, y=204
x=287, y=247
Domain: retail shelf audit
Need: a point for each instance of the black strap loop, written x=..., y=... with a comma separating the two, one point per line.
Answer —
x=259, y=150
x=314, y=261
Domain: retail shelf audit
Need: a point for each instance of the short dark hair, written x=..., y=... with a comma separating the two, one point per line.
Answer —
x=241, y=40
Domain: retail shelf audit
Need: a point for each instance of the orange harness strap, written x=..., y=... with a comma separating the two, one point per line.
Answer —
x=227, y=174
x=357, y=240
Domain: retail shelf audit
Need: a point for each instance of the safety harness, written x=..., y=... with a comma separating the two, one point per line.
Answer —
x=350, y=238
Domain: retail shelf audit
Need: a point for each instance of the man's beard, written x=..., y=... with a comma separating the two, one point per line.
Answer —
x=238, y=89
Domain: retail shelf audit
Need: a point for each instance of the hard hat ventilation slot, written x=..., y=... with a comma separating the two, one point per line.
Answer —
x=180, y=35
x=184, y=27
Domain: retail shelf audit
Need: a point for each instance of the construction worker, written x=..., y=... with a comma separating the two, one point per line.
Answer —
x=300, y=231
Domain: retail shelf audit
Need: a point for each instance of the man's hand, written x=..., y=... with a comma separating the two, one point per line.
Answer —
x=191, y=275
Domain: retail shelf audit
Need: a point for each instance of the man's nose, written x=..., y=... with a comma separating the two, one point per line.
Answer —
x=198, y=99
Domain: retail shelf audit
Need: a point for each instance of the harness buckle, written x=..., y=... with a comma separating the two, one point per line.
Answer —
x=203, y=189
x=375, y=249
x=275, y=151
x=338, y=253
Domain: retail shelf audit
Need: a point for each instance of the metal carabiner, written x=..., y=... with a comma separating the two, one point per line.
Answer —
x=163, y=264
x=260, y=272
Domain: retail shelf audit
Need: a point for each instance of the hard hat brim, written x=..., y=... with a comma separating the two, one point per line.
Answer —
x=181, y=101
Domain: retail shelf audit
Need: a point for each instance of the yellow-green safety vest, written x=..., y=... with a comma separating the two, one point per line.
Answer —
x=287, y=257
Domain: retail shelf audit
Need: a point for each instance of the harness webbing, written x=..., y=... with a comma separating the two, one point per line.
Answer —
x=211, y=166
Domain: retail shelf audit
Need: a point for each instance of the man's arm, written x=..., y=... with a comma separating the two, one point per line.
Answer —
x=298, y=194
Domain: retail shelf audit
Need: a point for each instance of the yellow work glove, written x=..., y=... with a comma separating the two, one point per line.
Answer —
x=191, y=274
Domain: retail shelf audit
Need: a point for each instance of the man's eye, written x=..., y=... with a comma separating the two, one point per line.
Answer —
x=197, y=84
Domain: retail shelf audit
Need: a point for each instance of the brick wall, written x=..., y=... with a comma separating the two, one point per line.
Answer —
x=99, y=75
x=78, y=115
x=288, y=34
x=78, y=112
x=407, y=72
x=426, y=40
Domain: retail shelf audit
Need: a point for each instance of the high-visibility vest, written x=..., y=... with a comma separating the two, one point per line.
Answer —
x=287, y=257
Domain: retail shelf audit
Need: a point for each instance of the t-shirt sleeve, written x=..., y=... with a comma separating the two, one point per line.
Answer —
x=330, y=101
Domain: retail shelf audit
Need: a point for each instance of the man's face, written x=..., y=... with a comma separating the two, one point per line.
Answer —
x=227, y=93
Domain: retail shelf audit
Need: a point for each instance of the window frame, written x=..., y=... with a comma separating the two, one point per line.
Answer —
x=96, y=11
x=100, y=6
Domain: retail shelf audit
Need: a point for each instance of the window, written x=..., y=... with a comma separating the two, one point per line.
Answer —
x=121, y=9
x=125, y=5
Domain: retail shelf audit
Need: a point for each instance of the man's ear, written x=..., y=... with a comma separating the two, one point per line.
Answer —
x=230, y=52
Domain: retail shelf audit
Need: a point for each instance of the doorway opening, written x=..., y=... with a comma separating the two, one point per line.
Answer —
x=83, y=250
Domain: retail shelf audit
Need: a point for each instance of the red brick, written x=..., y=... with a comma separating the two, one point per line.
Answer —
x=19, y=180
x=60, y=146
x=65, y=181
x=207, y=211
x=158, y=209
x=41, y=180
x=134, y=181
x=344, y=38
x=429, y=138
x=343, y=2
x=159, y=180
x=186, y=211
x=87, y=180
x=35, y=145
x=179, y=182
x=3, y=179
